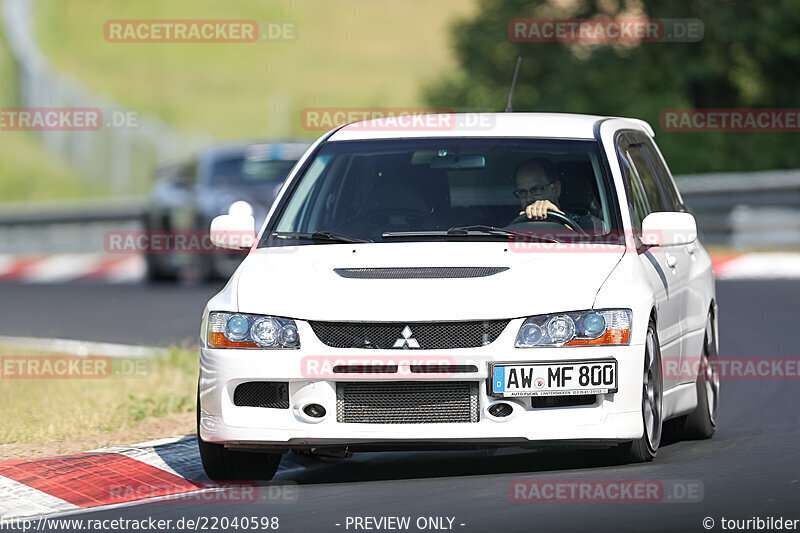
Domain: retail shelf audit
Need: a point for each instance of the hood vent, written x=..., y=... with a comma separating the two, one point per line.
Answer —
x=418, y=272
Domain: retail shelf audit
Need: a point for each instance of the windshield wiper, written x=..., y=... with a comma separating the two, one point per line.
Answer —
x=318, y=236
x=481, y=230
x=492, y=230
x=468, y=231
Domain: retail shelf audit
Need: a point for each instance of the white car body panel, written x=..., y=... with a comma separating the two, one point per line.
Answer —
x=492, y=297
x=526, y=125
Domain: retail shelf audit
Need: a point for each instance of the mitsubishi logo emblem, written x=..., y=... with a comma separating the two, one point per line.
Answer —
x=406, y=341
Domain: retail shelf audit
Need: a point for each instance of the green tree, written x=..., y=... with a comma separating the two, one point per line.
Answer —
x=749, y=57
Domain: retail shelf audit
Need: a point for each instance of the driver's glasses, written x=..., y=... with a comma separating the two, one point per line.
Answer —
x=533, y=191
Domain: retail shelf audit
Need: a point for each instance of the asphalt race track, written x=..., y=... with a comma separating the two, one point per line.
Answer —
x=140, y=314
x=751, y=468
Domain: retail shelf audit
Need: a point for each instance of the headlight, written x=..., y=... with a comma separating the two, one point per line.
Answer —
x=602, y=327
x=240, y=330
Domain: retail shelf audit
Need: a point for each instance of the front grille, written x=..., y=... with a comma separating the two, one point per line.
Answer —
x=429, y=335
x=271, y=394
x=408, y=402
x=562, y=401
x=419, y=272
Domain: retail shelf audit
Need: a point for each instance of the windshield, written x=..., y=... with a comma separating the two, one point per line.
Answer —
x=242, y=171
x=396, y=190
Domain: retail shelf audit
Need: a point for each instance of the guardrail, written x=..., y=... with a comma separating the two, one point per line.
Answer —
x=87, y=211
x=745, y=209
x=738, y=210
x=66, y=226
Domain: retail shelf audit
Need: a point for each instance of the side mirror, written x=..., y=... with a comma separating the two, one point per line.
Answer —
x=668, y=229
x=235, y=232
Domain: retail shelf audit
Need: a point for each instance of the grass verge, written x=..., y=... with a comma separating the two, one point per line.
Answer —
x=123, y=405
x=346, y=53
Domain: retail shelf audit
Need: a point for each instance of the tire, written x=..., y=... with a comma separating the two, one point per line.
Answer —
x=645, y=448
x=702, y=422
x=213, y=267
x=207, y=264
x=222, y=464
x=206, y=268
x=155, y=273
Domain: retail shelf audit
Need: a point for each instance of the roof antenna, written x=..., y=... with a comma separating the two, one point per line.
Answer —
x=513, y=84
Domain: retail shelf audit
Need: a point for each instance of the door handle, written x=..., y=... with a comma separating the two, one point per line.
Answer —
x=672, y=261
x=691, y=247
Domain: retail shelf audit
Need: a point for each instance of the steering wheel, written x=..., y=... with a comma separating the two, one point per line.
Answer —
x=571, y=224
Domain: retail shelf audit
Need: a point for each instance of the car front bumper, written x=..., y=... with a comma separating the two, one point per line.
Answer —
x=614, y=417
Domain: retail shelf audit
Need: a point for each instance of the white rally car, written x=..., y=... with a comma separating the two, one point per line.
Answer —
x=532, y=279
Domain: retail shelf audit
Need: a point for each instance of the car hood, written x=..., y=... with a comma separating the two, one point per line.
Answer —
x=300, y=281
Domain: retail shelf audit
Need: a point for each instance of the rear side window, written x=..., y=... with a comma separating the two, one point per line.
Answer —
x=639, y=208
x=647, y=177
x=667, y=185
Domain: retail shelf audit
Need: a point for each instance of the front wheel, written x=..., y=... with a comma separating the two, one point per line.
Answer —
x=702, y=422
x=222, y=464
x=644, y=449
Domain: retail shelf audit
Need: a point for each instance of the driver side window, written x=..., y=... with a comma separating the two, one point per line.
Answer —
x=634, y=189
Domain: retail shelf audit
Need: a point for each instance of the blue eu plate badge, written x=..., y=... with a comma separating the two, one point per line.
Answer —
x=499, y=379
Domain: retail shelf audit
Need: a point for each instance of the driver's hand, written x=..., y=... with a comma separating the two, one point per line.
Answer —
x=538, y=209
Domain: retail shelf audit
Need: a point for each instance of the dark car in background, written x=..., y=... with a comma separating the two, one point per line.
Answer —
x=186, y=196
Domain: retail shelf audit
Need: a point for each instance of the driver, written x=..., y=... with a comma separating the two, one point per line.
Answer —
x=538, y=190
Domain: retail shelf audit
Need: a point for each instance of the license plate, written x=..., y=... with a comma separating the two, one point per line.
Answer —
x=554, y=379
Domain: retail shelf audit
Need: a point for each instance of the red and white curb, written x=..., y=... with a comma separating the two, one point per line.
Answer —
x=111, y=476
x=758, y=265
x=167, y=470
x=61, y=268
